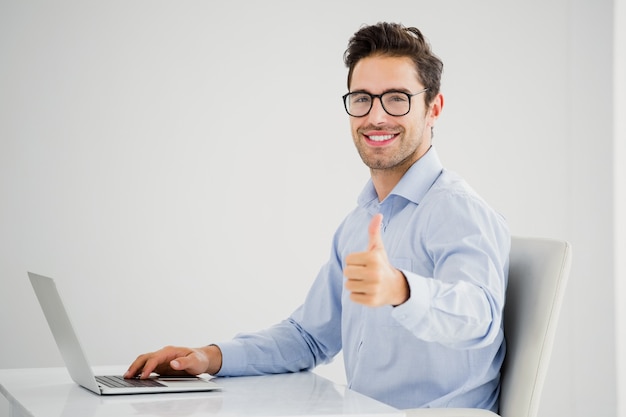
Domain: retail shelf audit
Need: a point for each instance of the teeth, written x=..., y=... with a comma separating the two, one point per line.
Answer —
x=380, y=138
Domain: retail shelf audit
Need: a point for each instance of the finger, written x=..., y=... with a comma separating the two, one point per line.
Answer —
x=139, y=366
x=134, y=368
x=354, y=268
x=148, y=363
x=355, y=260
x=375, y=237
x=150, y=366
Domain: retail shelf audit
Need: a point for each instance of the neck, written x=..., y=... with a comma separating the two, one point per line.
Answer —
x=385, y=180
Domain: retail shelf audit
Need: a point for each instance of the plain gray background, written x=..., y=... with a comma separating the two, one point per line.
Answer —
x=180, y=167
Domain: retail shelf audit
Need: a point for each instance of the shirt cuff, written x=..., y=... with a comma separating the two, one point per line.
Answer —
x=233, y=358
x=414, y=310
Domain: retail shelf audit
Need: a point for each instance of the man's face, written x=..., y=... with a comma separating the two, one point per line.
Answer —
x=387, y=142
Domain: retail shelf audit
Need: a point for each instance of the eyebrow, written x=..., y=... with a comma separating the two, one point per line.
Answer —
x=390, y=90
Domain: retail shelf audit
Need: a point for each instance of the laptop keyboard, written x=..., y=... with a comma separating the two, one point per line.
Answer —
x=120, y=382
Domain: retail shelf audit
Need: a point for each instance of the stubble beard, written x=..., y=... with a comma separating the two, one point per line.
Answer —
x=382, y=159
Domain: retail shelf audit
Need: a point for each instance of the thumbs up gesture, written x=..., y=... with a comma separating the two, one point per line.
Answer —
x=371, y=279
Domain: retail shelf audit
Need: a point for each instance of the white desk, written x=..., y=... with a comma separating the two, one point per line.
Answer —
x=50, y=392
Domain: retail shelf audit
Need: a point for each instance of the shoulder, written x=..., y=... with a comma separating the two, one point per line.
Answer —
x=452, y=198
x=450, y=186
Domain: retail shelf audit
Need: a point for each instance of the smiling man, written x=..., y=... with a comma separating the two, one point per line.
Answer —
x=413, y=291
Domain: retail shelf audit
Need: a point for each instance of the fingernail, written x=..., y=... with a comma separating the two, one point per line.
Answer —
x=175, y=364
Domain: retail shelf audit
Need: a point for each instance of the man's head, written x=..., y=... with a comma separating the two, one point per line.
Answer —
x=395, y=40
x=393, y=97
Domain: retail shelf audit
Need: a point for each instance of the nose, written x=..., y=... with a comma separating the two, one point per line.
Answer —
x=377, y=114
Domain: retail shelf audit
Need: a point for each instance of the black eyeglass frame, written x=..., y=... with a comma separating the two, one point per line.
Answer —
x=380, y=97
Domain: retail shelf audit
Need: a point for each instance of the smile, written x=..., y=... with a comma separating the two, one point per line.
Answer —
x=380, y=138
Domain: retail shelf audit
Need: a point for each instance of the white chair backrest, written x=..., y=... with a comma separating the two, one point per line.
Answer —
x=538, y=273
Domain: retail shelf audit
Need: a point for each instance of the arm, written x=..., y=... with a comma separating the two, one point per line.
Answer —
x=312, y=335
x=309, y=337
x=460, y=302
x=456, y=295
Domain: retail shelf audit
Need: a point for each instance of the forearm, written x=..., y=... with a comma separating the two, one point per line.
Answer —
x=285, y=347
x=460, y=315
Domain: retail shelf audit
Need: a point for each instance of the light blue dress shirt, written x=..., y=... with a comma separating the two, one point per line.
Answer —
x=444, y=346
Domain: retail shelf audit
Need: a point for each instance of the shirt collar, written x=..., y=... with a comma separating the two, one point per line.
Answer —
x=415, y=182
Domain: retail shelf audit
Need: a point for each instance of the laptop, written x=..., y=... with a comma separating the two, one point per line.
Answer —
x=78, y=365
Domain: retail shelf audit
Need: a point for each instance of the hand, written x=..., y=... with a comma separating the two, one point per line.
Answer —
x=172, y=360
x=372, y=280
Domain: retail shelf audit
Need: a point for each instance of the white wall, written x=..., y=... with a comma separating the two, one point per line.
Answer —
x=196, y=158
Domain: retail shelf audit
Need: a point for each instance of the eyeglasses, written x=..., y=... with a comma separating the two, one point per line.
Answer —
x=395, y=103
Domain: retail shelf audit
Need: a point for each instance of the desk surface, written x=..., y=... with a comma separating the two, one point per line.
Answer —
x=50, y=392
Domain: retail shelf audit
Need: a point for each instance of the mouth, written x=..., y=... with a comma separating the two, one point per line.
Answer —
x=379, y=138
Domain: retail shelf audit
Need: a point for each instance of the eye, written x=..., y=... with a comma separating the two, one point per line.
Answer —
x=396, y=97
x=360, y=98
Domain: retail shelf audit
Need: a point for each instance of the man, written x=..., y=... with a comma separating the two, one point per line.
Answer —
x=414, y=288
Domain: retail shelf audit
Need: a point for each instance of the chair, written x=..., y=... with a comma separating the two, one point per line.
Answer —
x=538, y=273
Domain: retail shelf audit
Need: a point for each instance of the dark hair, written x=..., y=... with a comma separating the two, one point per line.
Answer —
x=395, y=40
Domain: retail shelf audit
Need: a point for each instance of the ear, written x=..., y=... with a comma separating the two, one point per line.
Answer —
x=436, y=107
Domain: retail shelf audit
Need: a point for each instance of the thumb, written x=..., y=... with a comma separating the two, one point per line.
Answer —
x=181, y=363
x=375, y=238
x=177, y=365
